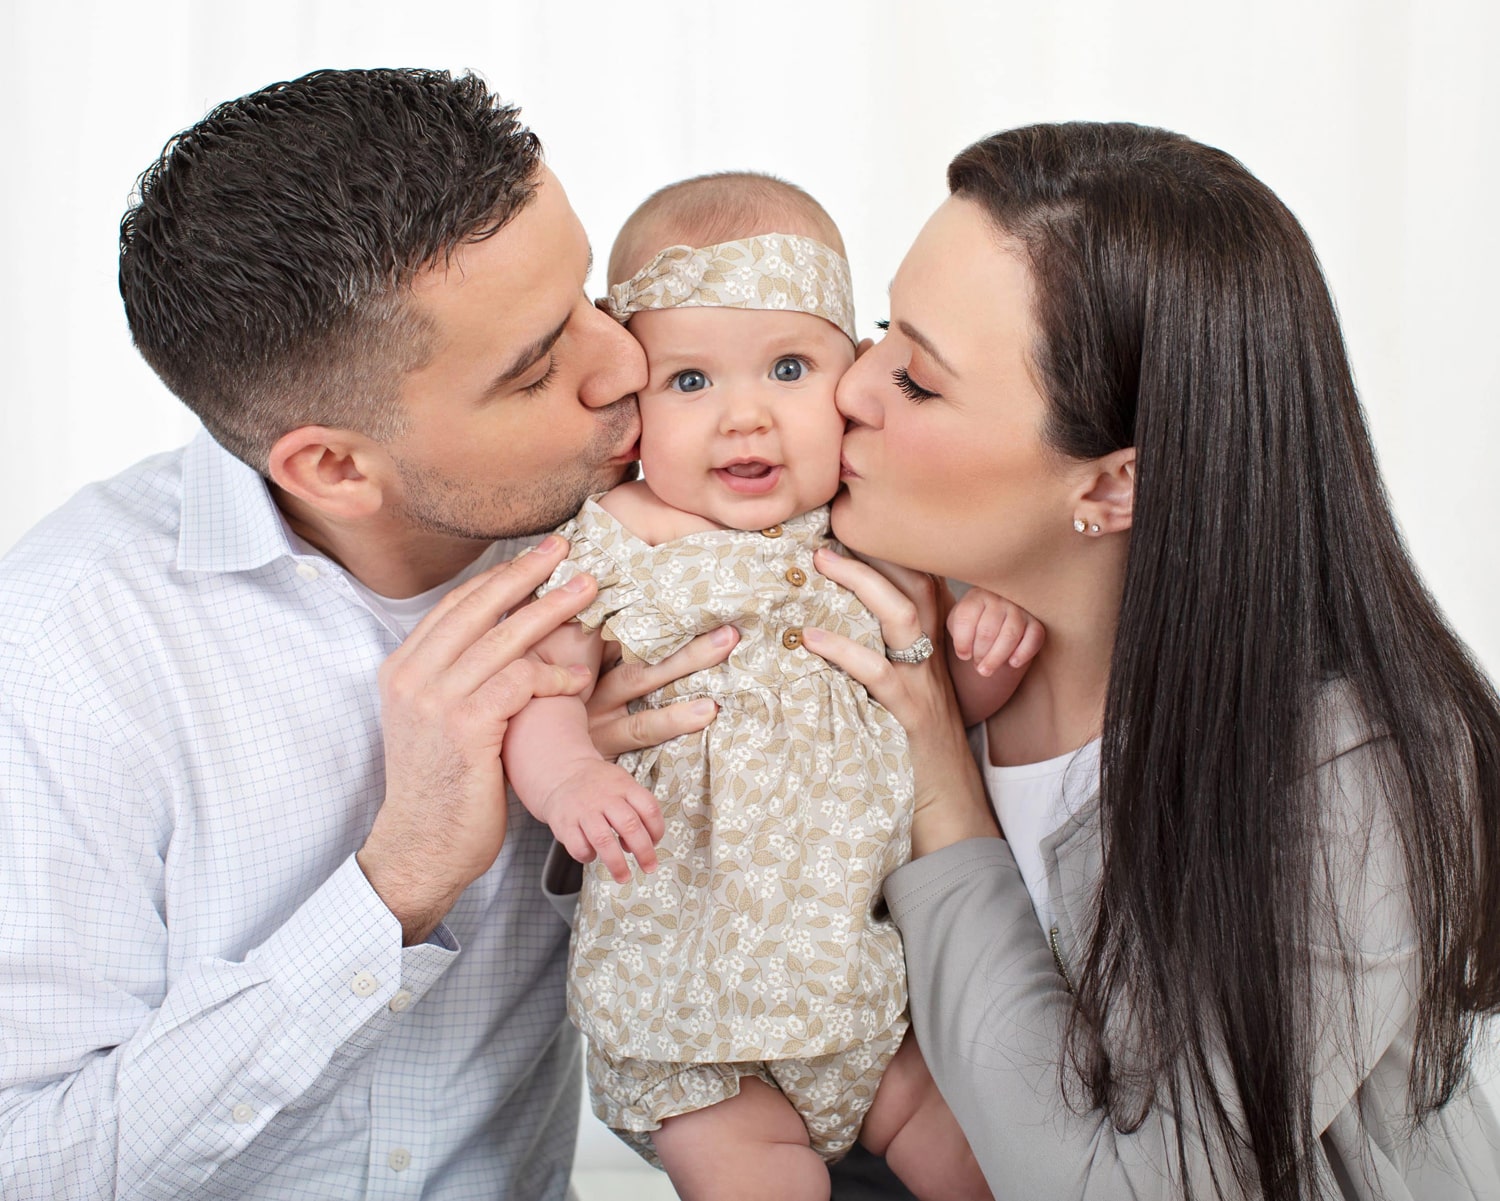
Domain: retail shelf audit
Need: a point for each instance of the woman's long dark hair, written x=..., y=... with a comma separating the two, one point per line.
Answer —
x=1182, y=311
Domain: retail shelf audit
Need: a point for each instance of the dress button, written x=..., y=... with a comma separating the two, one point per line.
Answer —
x=399, y=1159
x=792, y=639
x=400, y=1003
x=242, y=1113
x=363, y=984
x=796, y=577
x=308, y=571
x=773, y=531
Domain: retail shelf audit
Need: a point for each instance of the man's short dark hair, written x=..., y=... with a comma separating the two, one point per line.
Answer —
x=265, y=262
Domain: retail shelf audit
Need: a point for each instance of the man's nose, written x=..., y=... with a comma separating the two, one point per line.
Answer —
x=617, y=362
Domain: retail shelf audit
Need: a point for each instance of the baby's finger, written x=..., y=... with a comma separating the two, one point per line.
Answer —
x=962, y=622
x=998, y=654
x=1031, y=643
x=632, y=833
x=572, y=838
x=606, y=845
x=644, y=802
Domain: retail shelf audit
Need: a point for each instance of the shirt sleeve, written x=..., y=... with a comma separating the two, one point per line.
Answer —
x=990, y=1009
x=120, y=1076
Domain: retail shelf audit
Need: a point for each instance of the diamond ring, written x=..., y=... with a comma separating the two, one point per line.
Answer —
x=917, y=652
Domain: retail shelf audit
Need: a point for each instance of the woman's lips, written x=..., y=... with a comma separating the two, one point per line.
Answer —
x=845, y=471
x=749, y=485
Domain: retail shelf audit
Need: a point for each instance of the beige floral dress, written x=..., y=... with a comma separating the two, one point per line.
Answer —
x=757, y=938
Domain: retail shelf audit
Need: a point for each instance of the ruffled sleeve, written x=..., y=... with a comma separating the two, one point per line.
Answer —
x=626, y=609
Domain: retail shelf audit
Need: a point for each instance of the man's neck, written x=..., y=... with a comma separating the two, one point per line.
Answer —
x=386, y=555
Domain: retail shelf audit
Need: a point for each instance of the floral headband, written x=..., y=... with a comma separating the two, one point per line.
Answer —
x=768, y=271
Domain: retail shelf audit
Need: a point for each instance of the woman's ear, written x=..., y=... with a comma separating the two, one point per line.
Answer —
x=1107, y=501
x=338, y=472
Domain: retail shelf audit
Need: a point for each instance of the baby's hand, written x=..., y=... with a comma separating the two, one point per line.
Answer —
x=993, y=632
x=597, y=810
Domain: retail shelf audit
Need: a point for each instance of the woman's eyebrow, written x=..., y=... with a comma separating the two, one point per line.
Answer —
x=926, y=344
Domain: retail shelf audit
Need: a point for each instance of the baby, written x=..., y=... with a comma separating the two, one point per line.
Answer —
x=742, y=995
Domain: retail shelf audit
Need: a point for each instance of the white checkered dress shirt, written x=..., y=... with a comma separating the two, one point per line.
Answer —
x=200, y=995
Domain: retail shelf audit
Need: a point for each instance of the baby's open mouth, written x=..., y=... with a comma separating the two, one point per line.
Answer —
x=749, y=471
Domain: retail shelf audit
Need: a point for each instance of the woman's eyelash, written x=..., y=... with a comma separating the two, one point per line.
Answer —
x=913, y=390
x=882, y=325
x=533, y=389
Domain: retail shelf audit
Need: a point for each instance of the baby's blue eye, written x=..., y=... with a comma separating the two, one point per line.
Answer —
x=788, y=370
x=689, y=381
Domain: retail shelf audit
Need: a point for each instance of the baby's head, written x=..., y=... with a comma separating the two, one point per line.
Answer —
x=737, y=288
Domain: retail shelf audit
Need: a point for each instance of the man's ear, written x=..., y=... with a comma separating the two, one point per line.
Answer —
x=1107, y=502
x=338, y=472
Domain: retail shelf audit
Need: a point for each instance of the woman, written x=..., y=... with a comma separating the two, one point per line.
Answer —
x=1264, y=817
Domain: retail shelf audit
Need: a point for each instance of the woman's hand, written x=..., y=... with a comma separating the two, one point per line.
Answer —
x=950, y=800
x=614, y=729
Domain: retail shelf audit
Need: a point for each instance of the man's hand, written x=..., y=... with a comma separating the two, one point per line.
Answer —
x=615, y=729
x=596, y=810
x=446, y=696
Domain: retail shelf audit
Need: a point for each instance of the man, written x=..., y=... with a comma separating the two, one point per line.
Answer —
x=274, y=931
x=273, y=928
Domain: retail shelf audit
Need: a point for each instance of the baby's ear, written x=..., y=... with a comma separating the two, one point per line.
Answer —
x=864, y=345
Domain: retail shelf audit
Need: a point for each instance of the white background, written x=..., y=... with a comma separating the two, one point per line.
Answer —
x=1377, y=121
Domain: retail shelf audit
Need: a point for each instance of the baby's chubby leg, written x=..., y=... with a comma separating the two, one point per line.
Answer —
x=751, y=1146
x=911, y=1125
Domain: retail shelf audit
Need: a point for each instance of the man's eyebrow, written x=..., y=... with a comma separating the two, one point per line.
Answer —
x=925, y=343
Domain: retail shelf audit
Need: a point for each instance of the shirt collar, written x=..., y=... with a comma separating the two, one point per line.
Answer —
x=229, y=521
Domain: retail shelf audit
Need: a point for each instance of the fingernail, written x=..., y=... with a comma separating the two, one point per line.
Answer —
x=724, y=635
x=811, y=636
x=826, y=552
x=577, y=584
x=549, y=544
x=579, y=670
x=703, y=708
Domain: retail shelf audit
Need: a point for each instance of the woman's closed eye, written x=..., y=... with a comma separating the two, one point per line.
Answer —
x=914, y=391
x=691, y=380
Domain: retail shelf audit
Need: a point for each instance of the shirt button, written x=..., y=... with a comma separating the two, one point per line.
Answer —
x=399, y=1159
x=796, y=577
x=792, y=639
x=773, y=531
x=242, y=1113
x=363, y=984
x=308, y=571
x=400, y=1003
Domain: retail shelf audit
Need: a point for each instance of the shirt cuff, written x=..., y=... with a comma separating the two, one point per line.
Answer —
x=338, y=961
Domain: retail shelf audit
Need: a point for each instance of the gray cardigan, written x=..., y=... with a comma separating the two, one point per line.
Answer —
x=989, y=1000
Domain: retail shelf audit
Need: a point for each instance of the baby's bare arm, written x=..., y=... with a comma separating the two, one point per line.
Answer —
x=595, y=809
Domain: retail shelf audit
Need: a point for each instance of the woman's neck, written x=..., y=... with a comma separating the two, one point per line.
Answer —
x=1059, y=705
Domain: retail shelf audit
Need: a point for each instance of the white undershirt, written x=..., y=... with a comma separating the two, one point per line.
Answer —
x=1034, y=799
x=403, y=613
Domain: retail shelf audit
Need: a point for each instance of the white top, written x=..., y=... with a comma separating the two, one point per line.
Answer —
x=1034, y=799
x=203, y=996
x=403, y=613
